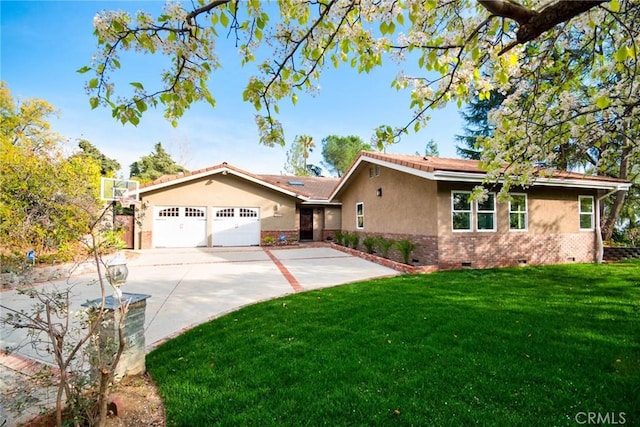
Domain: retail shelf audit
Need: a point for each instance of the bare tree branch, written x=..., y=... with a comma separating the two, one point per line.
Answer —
x=204, y=9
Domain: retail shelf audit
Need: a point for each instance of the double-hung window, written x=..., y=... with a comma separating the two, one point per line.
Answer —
x=467, y=215
x=486, y=213
x=586, y=209
x=461, y=210
x=360, y=215
x=518, y=212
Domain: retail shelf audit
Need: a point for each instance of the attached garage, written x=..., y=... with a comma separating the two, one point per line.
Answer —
x=179, y=227
x=236, y=226
x=226, y=206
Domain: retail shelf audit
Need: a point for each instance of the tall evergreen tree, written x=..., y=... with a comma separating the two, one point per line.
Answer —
x=477, y=125
x=155, y=165
x=340, y=151
x=108, y=166
x=431, y=149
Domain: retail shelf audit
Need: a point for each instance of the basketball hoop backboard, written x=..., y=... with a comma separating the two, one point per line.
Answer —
x=115, y=189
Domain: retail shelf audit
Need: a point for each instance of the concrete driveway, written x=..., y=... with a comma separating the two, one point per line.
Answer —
x=187, y=287
x=191, y=286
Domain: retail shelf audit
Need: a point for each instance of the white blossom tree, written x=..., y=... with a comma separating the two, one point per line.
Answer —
x=568, y=69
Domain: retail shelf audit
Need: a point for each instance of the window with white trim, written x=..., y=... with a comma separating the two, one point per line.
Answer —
x=518, y=212
x=486, y=213
x=586, y=209
x=461, y=210
x=360, y=215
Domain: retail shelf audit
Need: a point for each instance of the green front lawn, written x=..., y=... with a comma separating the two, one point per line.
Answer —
x=523, y=346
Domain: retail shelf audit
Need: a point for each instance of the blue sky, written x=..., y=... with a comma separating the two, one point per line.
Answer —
x=43, y=43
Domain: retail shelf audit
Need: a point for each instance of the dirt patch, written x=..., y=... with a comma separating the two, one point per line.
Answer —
x=133, y=402
x=137, y=403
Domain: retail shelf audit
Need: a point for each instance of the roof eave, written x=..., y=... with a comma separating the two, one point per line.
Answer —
x=592, y=184
x=325, y=202
x=391, y=165
x=224, y=171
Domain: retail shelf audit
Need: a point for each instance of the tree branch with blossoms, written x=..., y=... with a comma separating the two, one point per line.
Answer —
x=549, y=58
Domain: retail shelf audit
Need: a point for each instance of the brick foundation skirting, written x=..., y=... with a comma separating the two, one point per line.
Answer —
x=514, y=249
x=290, y=235
x=398, y=266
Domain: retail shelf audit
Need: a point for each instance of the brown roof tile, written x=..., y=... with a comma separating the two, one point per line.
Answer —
x=316, y=188
x=432, y=164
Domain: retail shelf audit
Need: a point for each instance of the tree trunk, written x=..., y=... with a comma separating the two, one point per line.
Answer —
x=614, y=213
x=612, y=217
x=105, y=377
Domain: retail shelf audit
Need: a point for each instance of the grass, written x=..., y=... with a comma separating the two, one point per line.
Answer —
x=523, y=346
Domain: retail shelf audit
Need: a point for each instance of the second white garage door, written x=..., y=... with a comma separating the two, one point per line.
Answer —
x=236, y=226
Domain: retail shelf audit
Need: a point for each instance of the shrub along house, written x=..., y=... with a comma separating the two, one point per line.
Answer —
x=426, y=200
x=227, y=206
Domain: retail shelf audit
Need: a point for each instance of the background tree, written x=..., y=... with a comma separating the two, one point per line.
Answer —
x=617, y=161
x=108, y=166
x=340, y=151
x=155, y=165
x=476, y=124
x=298, y=155
x=627, y=228
x=46, y=198
x=431, y=149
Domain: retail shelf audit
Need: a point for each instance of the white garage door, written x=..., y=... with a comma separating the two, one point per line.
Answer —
x=179, y=227
x=236, y=226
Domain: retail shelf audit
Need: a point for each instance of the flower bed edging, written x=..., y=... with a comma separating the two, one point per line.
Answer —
x=398, y=266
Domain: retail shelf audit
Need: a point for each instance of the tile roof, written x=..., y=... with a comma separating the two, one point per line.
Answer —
x=433, y=164
x=314, y=188
x=317, y=188
x=427, y=164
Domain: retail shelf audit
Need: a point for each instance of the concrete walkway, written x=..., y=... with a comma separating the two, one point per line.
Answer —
x=189, y=287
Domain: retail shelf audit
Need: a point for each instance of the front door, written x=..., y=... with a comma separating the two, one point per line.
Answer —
x=306, y=224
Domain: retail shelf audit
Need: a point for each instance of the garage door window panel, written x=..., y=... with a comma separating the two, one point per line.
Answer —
x=194, y=212
x=169, y=212
x=225, y=213
x=248, y=213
